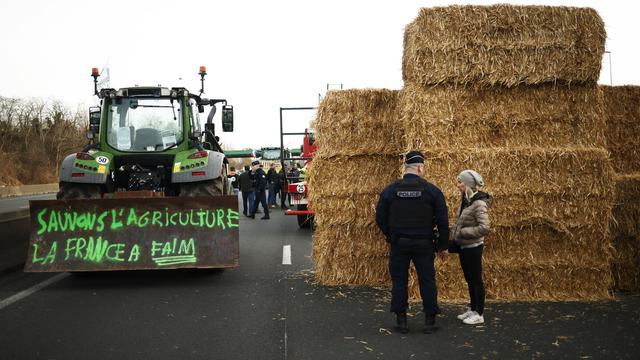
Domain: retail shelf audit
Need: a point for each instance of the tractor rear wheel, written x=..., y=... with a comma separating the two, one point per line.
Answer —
x=213, y=187
x=70, y=191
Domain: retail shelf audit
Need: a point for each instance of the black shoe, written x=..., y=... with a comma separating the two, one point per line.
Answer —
x=252, y=216
x=430, y=324
x=401, y=323
x=266, y=217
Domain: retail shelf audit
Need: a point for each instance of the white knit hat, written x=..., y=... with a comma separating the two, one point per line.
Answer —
x=472, y=179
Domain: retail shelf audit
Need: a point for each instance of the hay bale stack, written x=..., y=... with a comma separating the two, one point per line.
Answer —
x=510, y=92
x=502, y=117
x=503, y=45
x=622, y=109
x=359, y=122
x=358, y=134
x=626, y=233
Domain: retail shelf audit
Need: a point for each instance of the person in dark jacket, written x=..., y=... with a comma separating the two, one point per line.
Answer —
x=472, y=225
x=282, y=181
x=410, y=212
x=247, y=190
x=259, y=179
x=233, y=179
x=272, y=180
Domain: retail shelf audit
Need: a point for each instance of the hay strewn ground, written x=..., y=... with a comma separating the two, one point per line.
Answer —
x=503, y=45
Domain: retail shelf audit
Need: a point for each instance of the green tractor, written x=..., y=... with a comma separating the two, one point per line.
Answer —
x=149, y=139
x=149, y=191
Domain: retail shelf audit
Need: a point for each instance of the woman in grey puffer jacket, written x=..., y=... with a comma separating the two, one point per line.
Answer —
x=472, y=224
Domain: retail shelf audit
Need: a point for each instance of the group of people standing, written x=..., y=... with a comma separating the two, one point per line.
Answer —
x=413, y=215
x=254, y=183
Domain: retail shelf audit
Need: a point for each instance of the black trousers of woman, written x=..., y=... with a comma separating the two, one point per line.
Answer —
x=471, y=262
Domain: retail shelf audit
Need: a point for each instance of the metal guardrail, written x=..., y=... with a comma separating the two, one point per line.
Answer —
x=22, y=190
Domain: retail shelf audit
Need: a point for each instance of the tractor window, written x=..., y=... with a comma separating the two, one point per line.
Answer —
x=139, y=124
x=195, y=118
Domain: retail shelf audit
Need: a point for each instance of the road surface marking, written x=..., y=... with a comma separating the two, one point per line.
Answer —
x=286, y=255
x=23, y=294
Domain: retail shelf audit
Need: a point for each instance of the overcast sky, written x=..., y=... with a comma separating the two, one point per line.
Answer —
x=260, y=55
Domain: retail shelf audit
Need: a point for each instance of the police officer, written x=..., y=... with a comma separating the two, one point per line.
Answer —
x=412, y=214
x=259, y=179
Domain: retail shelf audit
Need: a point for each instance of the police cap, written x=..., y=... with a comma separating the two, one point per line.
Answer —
x=414, y=157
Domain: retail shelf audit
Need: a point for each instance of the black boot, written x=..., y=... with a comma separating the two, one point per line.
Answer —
x=430, y=324
x=265, y=217
x=252, y=216
x=401, y=323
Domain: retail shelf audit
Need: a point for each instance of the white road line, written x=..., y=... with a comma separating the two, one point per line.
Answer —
x=23, y=294
x=286, y=255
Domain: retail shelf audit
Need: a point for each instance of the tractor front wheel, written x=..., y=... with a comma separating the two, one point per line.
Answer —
x=70, y=191
x=213, y=187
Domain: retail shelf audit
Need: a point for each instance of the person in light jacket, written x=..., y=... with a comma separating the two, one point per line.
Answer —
x=472, y=225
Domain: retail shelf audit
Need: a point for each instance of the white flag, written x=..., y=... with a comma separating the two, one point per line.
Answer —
x=104, y=79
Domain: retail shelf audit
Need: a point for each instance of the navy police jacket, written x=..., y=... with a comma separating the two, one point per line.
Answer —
x=259, y=180
x=413, y=207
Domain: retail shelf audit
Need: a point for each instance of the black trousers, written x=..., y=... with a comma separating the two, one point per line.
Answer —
x=471, y=262
x=261, y=198
x=399, y=259
x=246, y=204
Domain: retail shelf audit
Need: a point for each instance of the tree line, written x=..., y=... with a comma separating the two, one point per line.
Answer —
x=35, y=136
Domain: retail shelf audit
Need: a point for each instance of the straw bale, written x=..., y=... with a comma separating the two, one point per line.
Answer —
x=345, y=240
x=622, y=107
x=532, y=243
x=626, y=263
x=524, y=243
x=626, y=210
x=506, y=210
x=359, y=122
x=350, y=270
x=503, y=45
x=554, y=281
x=540, y=116
x=348, y=175
x=507, y=282
x=525, y=171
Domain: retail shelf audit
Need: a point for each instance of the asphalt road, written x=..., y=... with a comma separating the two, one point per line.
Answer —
x=18, y=203
x=267, y=310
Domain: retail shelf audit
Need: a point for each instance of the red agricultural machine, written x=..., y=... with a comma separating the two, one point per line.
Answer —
x=296, y=186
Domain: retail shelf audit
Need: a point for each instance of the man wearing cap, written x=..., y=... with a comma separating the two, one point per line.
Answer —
x=248, y=192
x=410, y=212
x=259, y=184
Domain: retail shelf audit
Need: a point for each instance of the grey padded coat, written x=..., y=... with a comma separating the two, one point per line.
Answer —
x=472, y=223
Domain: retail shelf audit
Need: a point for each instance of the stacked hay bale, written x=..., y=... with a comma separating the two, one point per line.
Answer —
x=359, y=141
x=622, y=106
x=510, y=91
